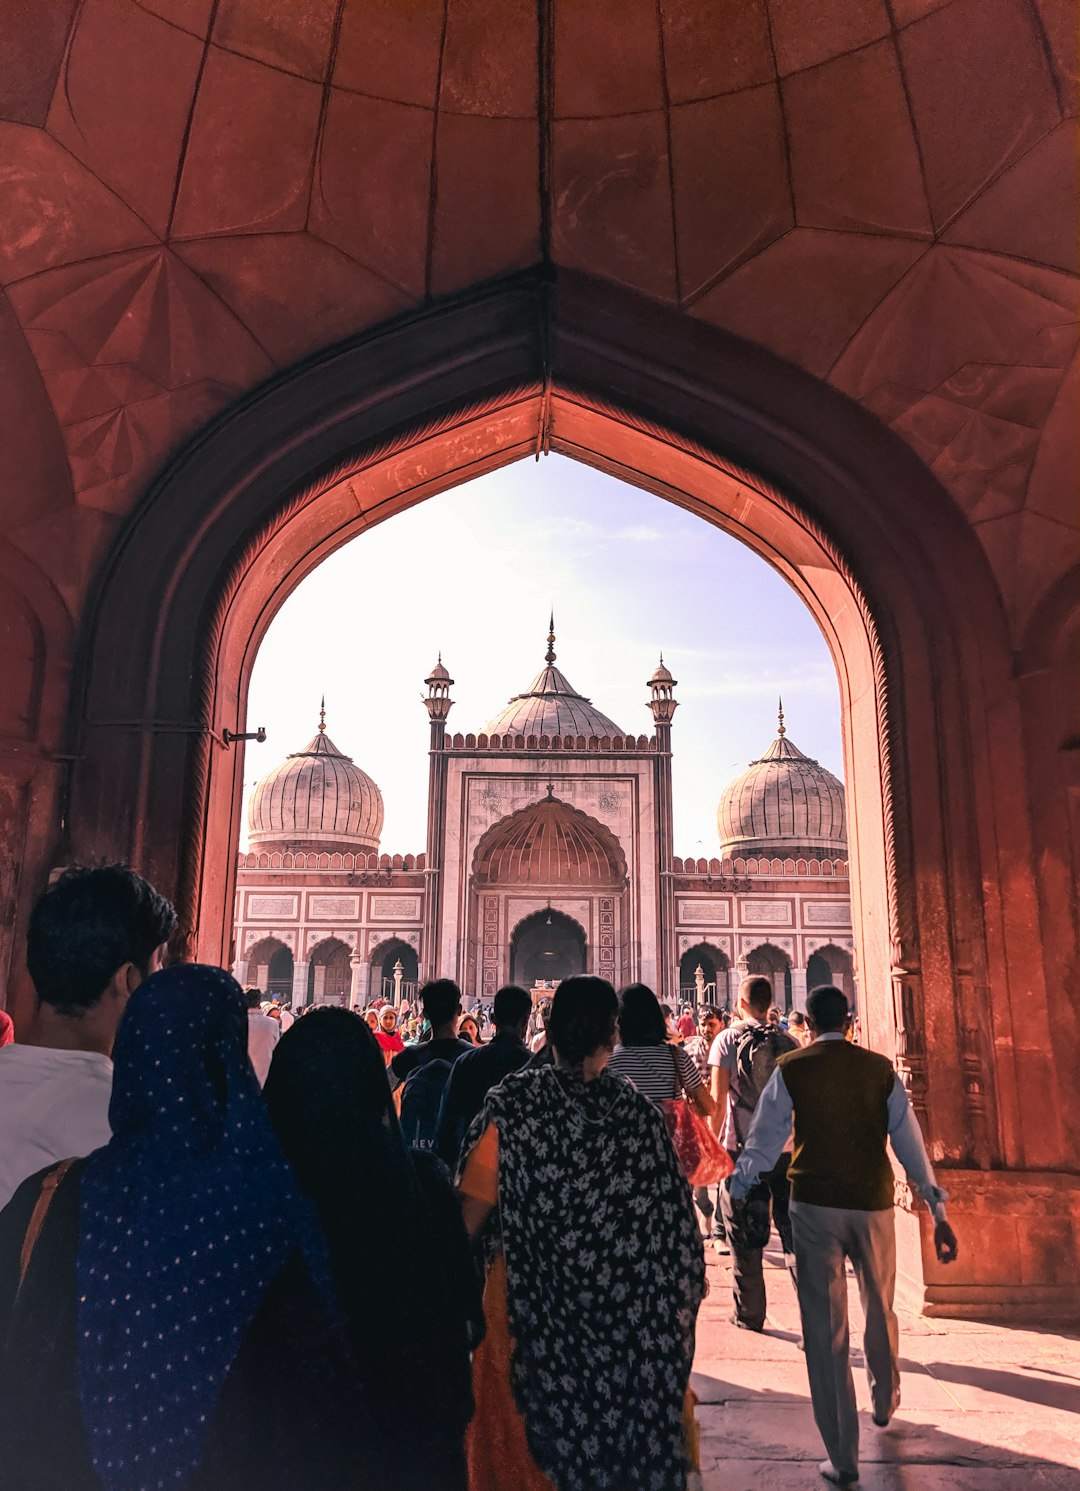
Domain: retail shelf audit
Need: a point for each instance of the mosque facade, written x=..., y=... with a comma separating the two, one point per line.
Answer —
x=549, y=852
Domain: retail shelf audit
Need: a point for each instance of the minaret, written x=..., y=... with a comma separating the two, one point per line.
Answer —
x=438, y=704
x=662, y=705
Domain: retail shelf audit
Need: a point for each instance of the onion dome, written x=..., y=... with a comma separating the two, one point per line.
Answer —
x=316, y=798
x=662, y=673
x=784, y=806
x=551, y=706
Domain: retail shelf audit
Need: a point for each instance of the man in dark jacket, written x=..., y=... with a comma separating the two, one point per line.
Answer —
x=479, y=1070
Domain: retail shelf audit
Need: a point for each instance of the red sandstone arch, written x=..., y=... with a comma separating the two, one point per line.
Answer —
x=895, y=578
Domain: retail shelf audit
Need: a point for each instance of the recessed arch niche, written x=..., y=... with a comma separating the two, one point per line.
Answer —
x=810, y=481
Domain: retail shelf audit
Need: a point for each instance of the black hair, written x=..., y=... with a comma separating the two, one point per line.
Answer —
x=641, y=1017
x=511, y=1005
x=709, y=1013
x=252, y=998
x=441, y=1000
x=827, y=1009
x=756, y=992
x=582, y=1017
x=89, y=923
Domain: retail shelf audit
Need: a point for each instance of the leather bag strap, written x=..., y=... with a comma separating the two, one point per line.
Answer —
x=37, y=1217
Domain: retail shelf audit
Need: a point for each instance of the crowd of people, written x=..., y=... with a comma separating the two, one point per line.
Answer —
x=208, y=1209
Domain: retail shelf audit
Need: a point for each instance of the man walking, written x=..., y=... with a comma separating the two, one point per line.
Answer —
x=846, y=1103
x=476, y=1072
x=264, y=1032
x=741, y=1063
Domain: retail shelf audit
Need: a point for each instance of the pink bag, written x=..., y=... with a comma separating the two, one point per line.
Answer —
x=703, y=1159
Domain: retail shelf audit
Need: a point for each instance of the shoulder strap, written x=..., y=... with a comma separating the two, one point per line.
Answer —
x=38, y=1215
x=680, y=1085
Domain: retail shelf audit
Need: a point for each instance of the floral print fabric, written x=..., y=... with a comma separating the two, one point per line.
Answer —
x=605, y=1271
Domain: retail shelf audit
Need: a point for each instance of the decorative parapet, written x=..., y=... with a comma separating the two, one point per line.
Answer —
x=304, y=860
x=735, y=868
x=578, y=744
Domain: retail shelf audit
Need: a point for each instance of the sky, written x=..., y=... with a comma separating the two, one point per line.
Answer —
x=474, y=574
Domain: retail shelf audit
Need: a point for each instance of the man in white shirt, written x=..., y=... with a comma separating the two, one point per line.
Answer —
x=264, y=1032
x=847, y=1104
x=94, y=937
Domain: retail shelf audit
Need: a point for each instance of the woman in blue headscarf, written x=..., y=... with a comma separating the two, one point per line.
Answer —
x=178, y=1285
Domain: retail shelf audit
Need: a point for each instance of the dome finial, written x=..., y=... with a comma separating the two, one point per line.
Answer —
x=322, y=715
x=780, y=717
x=549, y=656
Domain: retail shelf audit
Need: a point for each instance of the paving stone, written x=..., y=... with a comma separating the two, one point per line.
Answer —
x=985, y=1407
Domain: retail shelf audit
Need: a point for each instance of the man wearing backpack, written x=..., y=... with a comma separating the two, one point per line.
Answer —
x=741, y=1062
x=441, y=1001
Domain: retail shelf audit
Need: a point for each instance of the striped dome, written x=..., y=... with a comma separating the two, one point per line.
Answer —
x=551, y=706
x=549, y=844
x=316, y=797
x=783, y=805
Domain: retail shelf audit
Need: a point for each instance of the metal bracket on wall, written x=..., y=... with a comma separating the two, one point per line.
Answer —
x=228, y=736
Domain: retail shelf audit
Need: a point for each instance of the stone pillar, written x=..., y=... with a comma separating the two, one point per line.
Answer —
x=262, y=973
x=299, y=982
x=798, y=988
x=356, y=964
x=438, y=704
x=735, y=978
x=319, y=991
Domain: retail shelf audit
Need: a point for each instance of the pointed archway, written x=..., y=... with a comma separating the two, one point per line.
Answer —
x=862, y=530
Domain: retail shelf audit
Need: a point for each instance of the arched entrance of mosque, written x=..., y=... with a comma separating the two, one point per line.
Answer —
x=523, y=866
x=394, y=971
x=329, y=972
x=821, y=490
x=269, y=967
x=775, y=964
x=546, y=947
x=711, y=987
x=830, y=964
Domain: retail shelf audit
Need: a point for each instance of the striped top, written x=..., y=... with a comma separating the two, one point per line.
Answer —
x=652, y=1070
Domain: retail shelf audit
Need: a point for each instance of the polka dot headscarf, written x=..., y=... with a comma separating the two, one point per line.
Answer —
x=186, y=1217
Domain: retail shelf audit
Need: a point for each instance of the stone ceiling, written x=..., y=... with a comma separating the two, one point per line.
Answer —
x=195, y=193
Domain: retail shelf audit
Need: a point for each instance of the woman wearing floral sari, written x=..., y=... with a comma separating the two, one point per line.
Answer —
x=596, y=1271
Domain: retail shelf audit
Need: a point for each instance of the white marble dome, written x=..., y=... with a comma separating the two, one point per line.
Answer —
x=784, y=805
x=317, y=797
x=551, y=706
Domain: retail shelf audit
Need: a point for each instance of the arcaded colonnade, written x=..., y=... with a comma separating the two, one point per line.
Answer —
x=264, y=287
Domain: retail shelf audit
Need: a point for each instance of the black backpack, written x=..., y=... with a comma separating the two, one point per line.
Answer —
x=421, y=1101
x=755, y=1060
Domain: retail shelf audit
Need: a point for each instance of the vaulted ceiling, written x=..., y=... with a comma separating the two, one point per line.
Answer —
x=196, y=193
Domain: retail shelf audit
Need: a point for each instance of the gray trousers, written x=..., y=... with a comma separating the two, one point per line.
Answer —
x=824, y=1236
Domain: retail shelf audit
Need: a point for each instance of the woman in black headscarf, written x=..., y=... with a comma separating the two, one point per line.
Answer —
x=381, y=1204
x=178, y=1281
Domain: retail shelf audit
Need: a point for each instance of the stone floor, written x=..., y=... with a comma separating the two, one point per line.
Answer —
x=984, y=1407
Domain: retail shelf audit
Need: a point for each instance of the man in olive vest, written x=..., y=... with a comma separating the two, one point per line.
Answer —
x=846, y=1104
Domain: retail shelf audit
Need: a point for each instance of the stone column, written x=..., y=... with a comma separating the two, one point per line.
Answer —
x=319, y=991
x=735, y=977
x=356, y=966
x=299, y=982
x=798, y=988
x=262, y=973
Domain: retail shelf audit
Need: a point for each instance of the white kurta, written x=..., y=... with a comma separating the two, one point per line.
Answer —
x=53, y=1105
